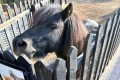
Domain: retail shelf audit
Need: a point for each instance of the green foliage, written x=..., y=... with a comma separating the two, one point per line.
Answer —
x=6, y=1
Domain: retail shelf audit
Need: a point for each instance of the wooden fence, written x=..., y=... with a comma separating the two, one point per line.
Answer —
x=99, y=48
x=98, y=55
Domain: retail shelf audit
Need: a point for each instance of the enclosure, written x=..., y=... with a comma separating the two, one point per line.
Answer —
x=98, y=51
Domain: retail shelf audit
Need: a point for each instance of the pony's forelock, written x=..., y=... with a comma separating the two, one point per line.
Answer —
x=45, y=14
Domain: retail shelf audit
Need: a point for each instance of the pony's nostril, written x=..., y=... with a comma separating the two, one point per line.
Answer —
x=22, y=44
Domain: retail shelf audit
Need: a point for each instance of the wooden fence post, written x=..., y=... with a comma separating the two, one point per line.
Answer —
x=5, y=33
x=42, y=71
x=24, y=62
x=115, y=35
x=14, y=24
x=72, y=63
x=87, y=56
x=28, y=6
x=2, y=45
x=59, y=69
x=111, y=40
x=24, y=19
x=7, y=56
x=1, y=56
x=20, y=24
x=101, y=44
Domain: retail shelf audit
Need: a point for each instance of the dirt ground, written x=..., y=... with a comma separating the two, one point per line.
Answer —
x=97, y=11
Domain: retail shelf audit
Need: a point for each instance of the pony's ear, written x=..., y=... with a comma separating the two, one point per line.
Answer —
x=67, y=11
x=32, y=8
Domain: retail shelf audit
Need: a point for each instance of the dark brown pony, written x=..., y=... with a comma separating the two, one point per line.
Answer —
x=53, y=30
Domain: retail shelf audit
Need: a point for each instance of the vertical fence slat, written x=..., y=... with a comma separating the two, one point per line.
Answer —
x=25, y=4
x=2, y=14
x=20, y=24
x=1, y=56
x=32, y=1
x=29, y=3
x=7, y=56
x=118, y=36
x=3, y=46
x=115, y=35
x=24, y=62
x=35, y=1
x=102, y=54
x=111, y=40
x=29, y=16
x=42, y=71
x=59, y=69
x=1, y=50
x=14, y=26
x=86, y=59
x=24, y=19
x=9, y=11
x=8, y=30
x=98, y=44
x=113, y=45
x=4, y=37
x=107, y=31
x=72, y=63
x=92, y=53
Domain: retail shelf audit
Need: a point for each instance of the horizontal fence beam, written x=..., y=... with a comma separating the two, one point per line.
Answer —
x=16, y=18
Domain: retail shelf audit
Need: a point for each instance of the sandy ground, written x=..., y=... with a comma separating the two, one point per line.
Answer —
x=96, y=10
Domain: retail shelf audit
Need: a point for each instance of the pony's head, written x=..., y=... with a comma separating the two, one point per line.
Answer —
x=53, y=30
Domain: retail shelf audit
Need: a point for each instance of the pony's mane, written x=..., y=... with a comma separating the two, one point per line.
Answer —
x=74, y=35
x=45, y=14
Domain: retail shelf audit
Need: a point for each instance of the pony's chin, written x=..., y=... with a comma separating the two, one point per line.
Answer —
x=37, y=55
x=32, y=56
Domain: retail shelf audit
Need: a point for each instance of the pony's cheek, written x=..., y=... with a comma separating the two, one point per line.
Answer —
x=17, y=53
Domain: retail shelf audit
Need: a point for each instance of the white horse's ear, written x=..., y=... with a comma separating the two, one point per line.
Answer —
x=67, y=11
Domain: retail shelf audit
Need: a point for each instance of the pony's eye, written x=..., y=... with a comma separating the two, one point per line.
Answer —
x=53, y=26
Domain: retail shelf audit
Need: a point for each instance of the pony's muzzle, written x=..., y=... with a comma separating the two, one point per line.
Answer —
x=23, y=46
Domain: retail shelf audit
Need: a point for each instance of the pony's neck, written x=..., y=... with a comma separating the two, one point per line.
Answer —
x=74, y=34
x=65, y=41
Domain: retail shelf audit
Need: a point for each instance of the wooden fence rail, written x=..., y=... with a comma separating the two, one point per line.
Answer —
x=98, y=51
